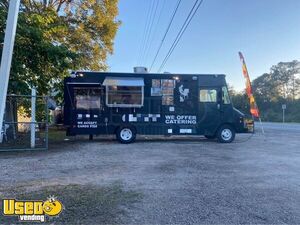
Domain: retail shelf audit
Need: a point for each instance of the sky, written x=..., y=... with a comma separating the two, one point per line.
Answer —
x=265, y=31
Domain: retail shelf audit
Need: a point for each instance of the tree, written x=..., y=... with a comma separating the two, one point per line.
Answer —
x=282, y=82
x=54, y=36
x=284, y=75
x=265, y=87
x=240, y=101
x=280, y=86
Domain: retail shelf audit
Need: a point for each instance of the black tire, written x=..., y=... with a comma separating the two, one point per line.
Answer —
x=226, y=134
x=210, y=137
x=126, y=135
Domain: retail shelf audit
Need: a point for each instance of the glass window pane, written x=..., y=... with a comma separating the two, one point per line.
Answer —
x=225, y=96
x=208, y=95
x=119, y=95
x=87, y=98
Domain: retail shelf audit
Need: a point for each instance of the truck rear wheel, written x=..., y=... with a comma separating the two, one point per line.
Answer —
x=126, y=135
x=226, y=134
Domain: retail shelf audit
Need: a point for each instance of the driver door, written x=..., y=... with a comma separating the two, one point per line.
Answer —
x=209, y=110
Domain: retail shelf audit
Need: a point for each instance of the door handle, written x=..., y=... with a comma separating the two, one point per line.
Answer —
x=219, y=107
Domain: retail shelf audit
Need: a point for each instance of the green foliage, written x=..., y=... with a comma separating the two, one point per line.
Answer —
x=280, y=86
x=54, y=36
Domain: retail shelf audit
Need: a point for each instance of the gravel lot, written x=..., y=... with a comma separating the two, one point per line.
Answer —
x=181, y=180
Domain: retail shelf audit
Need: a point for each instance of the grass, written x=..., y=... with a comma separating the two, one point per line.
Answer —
x=56, y=135
x=85, y=204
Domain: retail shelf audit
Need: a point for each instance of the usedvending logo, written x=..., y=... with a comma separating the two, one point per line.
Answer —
x=32, y=210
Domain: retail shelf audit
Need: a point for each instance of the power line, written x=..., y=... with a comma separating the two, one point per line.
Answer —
x=155, y=30
x=166, y=32
x=181, y=32
x=145, y=30
x=150, y=30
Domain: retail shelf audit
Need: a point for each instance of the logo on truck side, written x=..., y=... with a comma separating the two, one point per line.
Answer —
x=184, y=93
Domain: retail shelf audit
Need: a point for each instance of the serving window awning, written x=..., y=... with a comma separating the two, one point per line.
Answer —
x=124, y=81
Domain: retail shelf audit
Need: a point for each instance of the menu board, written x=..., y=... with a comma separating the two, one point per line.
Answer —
x=167, y=100
x=168, y=91
x=167, y=83
x=156, y=91
x=164, y=88
x=156, y=83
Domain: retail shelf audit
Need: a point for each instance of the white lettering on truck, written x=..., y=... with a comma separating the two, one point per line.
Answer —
x=180, y=119
x=87, y=124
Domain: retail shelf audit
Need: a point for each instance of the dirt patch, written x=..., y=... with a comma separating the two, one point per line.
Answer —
x=84, y=204
x=184, y=180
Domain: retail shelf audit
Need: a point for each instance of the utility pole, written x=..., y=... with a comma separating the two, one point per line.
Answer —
x=33, y=121
x=9, y=40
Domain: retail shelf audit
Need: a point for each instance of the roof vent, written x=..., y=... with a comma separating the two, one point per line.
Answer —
x=140, y=69
x=73, y=74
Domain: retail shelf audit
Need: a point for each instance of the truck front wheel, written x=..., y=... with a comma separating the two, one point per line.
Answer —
x=226, y=134
x=126, y=135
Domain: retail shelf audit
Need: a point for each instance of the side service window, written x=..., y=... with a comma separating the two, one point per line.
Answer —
x=87, y=98
x=125, y=96
x=225, y=96
x=208, y=95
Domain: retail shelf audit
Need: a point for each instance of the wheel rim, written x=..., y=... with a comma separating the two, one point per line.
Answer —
x=226, y=134
x=126, y=134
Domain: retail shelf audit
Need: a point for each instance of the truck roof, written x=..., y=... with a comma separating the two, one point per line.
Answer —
x=202, y=79
x=130, y=74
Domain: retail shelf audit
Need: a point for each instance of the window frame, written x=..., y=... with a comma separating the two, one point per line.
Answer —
x=123, y=105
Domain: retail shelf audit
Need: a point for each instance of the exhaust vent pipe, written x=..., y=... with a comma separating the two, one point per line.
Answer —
x=140, y=69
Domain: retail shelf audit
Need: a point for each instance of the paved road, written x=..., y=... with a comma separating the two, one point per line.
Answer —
x=279, y=127
x=182, y=181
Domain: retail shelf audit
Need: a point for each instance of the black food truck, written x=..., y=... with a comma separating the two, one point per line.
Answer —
x=127, y=104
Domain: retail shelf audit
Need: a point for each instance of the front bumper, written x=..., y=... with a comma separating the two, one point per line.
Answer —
x=249, y=125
